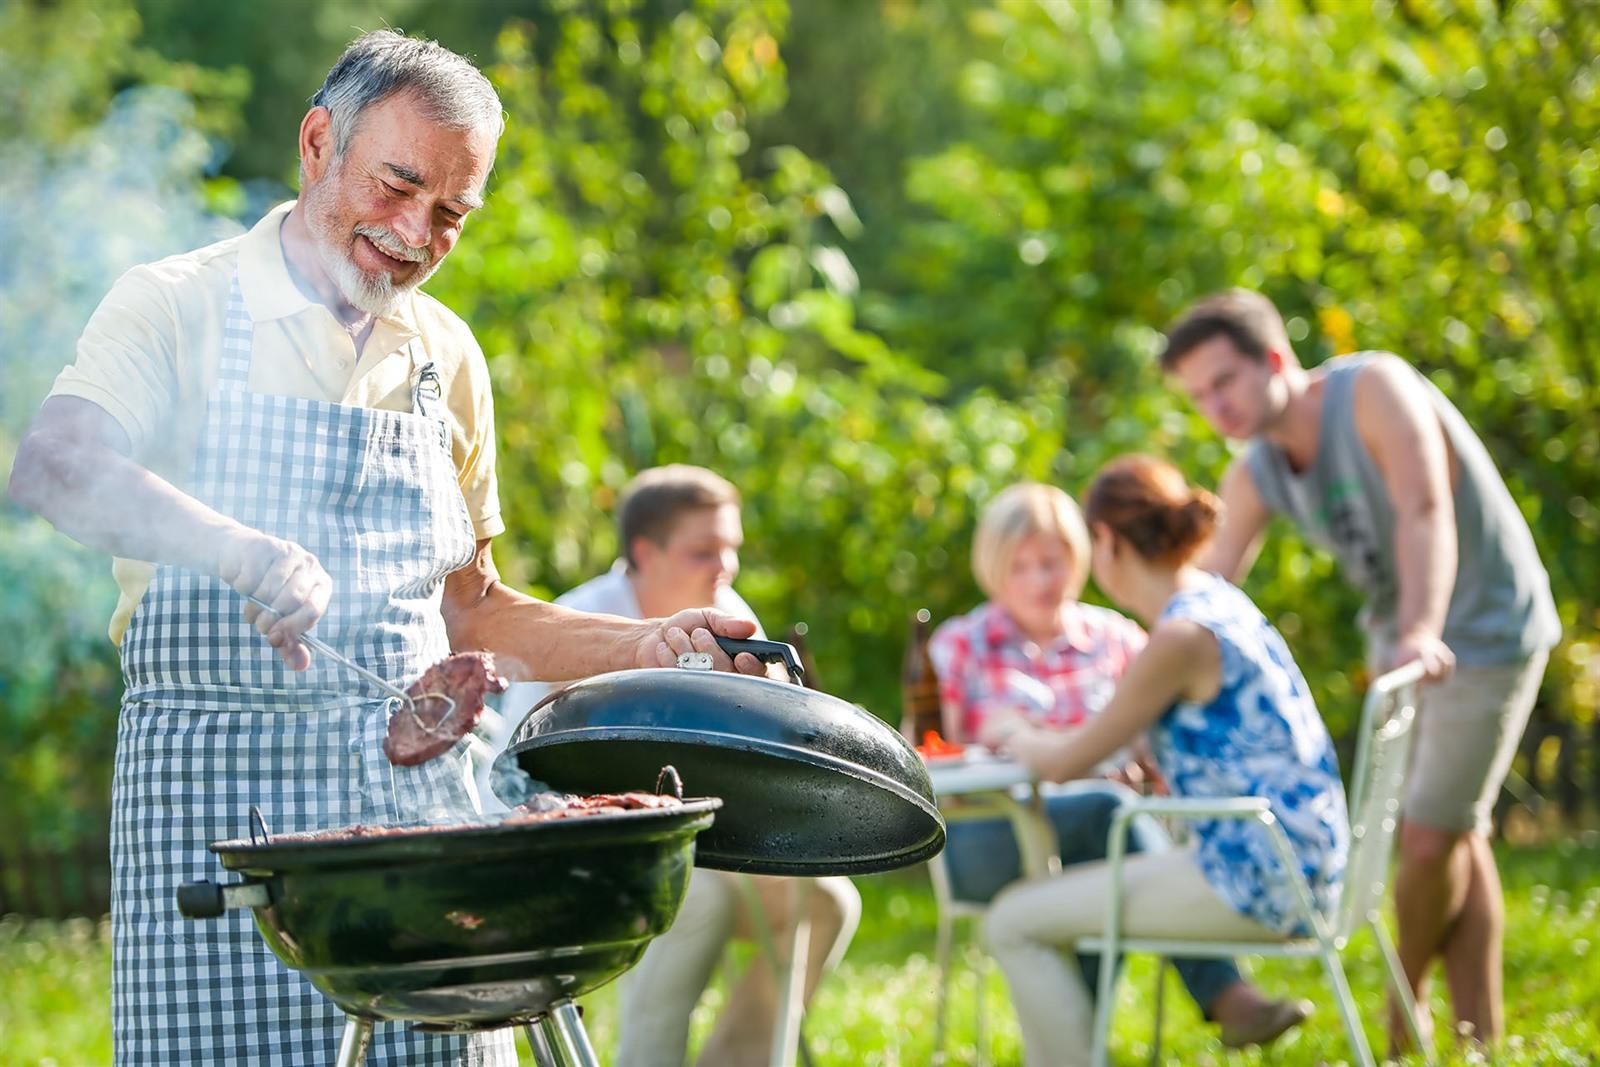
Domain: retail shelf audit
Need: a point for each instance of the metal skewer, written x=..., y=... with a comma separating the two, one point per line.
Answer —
x=318, y=645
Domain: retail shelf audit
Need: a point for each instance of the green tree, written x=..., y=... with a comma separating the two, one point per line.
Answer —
x=1418, y=178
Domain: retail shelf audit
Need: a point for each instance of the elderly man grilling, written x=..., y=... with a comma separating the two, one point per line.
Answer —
x=284, y=415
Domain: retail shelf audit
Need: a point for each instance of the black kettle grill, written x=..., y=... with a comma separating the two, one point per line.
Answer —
x=480, y=927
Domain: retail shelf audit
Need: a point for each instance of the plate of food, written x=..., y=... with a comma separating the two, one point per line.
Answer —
x=934, y=749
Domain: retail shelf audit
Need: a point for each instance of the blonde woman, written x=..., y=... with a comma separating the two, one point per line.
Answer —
x=1228, y=714
x=1035, y=654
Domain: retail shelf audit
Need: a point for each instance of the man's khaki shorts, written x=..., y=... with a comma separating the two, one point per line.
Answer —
x=1468, y=727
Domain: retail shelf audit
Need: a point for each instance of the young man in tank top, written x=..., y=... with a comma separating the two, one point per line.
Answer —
x=1374, y=464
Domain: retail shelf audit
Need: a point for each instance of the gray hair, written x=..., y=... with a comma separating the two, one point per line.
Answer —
x=450, y=90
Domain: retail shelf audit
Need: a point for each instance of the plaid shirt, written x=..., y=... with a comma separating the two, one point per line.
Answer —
x=984, y=661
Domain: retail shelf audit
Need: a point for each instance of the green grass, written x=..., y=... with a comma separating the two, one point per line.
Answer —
x=878, y=1008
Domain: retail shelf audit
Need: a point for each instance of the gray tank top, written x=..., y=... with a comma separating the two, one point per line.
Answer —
x=1501, y=609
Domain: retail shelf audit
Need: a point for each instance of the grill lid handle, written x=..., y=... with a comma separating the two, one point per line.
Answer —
x=767, y=652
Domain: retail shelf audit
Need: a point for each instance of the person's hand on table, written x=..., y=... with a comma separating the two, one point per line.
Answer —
x=1140, y=773
x=694, y=630
x=1005, y=730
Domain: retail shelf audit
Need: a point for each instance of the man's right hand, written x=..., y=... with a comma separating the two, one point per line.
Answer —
x=282, y=574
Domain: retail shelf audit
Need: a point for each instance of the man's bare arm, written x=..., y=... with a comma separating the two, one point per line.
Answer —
x=1400, y=430
x=533, y=640
x=73, y=468
x=1237, y=540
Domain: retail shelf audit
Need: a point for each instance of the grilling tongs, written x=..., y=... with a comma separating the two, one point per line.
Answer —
x=407, y=701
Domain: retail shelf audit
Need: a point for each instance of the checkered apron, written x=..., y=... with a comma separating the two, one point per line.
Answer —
x=212, y=722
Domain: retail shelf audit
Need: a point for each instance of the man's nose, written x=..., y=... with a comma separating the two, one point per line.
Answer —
x=413, y=225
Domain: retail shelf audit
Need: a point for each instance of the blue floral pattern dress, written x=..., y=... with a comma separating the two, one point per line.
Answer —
x=1260, y=736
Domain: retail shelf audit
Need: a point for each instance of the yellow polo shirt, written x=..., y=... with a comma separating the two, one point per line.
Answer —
x=150, y=352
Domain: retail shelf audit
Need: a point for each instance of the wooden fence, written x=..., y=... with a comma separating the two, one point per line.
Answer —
x=56, y=883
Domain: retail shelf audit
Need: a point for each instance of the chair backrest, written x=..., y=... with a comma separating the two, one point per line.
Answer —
x=1383, y=749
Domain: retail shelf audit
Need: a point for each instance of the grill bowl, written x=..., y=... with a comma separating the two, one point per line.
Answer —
x=473, y=927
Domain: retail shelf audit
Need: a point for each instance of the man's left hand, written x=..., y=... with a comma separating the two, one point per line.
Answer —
x=1436, y=658
x=692, y=631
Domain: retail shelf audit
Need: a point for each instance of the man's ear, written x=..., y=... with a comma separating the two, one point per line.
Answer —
x=643, y=552
x=316, y=144
x=1276, y=360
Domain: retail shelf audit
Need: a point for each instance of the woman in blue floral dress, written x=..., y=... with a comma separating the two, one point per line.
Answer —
x=1228, y=714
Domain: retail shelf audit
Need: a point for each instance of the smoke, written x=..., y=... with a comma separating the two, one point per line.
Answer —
x=126, y=190
x=81, y=207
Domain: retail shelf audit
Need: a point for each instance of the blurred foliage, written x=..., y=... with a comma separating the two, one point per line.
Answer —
x=874, y=261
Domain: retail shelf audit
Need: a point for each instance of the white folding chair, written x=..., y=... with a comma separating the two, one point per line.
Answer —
x=1382, y=748
x=949, y=910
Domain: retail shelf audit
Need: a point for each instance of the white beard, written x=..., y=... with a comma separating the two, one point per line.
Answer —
x=374, y=293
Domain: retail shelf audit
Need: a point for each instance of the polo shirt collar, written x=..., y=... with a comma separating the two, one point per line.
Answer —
x=270, y=293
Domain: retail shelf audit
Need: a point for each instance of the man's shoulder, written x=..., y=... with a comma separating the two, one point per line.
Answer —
x=442, y=325
x=450, y=341
x=210, y=266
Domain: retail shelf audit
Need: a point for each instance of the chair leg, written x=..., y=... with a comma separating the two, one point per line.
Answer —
x=1105, y=998
x=1402, y=988
x=1161, y=998
x=1347, y=1007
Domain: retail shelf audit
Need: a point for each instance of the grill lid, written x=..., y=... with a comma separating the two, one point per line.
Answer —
x=811, y=785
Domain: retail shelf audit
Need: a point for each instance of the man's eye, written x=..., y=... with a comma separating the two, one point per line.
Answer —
x=394, y=190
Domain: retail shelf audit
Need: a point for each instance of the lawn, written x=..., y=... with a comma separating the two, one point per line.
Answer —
x=878, y=1008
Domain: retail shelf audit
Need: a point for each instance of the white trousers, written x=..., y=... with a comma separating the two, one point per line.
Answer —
x=1032, y=927
x=659, y=994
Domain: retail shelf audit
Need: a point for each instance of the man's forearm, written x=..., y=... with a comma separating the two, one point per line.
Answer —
x=1425, y=558
x=533, y=640
x=103, y=499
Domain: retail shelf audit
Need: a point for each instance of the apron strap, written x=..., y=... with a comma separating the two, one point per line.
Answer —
x=237, y=333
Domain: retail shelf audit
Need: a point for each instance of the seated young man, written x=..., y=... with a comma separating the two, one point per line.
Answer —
x=681, y=533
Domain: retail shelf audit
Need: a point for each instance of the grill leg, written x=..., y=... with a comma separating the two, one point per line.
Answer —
x=353, y=1045
x=543, y=1054
x=565, y=1036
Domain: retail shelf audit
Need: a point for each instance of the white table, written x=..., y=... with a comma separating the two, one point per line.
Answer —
x=988, y=786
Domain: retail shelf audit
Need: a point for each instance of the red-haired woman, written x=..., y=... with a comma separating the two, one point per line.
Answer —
x=1227, y=713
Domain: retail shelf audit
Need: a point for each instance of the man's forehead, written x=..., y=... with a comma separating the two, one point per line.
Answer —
x=718, y=521
x=399, y=137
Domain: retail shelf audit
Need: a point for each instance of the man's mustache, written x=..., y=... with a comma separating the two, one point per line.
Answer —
x=391, y=244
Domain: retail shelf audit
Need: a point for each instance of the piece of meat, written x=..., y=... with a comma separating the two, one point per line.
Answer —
x=549, y=808
x=575, y=807
x=465, y=677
